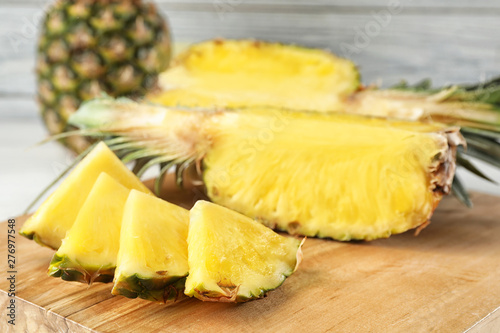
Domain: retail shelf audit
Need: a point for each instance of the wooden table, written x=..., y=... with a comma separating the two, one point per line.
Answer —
x=444, y=280
x=446, y=41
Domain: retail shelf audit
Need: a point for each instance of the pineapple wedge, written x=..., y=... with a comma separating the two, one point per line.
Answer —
x=315, y=174
x=246, y=73
x=233, y=258
x=241, y=73
x=152, y=260
x=89, y=250
x=49, y=224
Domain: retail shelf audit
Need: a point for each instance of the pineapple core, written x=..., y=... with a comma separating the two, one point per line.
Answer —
x=242, y=73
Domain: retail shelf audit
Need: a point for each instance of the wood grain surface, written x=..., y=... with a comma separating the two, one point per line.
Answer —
x=444, y=280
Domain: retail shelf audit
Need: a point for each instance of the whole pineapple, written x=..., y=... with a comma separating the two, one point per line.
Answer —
x=90, y=47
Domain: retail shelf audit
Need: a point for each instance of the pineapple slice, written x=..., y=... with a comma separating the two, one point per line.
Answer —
x=48, y=226
x=242, y=73
x=152, y=260
x=233, y=258
x=89, y=250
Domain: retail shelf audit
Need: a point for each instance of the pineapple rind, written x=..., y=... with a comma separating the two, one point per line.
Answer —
x=65, y=268
x=151, y=289
x=213, y=293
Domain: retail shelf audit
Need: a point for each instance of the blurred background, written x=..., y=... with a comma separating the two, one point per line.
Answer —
x=446, y=41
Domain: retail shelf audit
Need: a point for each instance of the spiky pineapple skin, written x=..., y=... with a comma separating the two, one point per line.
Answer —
x=90, y=47
x=63, y=267
x=155, y=290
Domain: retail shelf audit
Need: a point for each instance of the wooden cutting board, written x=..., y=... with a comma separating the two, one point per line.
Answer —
x=445, y=280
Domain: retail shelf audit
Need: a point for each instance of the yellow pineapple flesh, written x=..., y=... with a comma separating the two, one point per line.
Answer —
x=88, y=252
x=242, y=73
x=329, y=176
x=152, y=260
x=49, y=224
x=233, y=258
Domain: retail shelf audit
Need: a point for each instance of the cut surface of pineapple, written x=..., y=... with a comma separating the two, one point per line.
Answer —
x=315, y=174
x=49, y=224
x=474, y=107
x=233, y=258
x=152, y=260
x=88, y=252
x=242, y=73
x=337, y=176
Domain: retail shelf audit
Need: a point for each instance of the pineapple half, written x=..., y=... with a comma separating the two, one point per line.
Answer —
x=233, y=258
x=249, y=73
x=88, y=252
x=152, y=260
x=244, y=73
x=49, y=224
x=315, y=174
